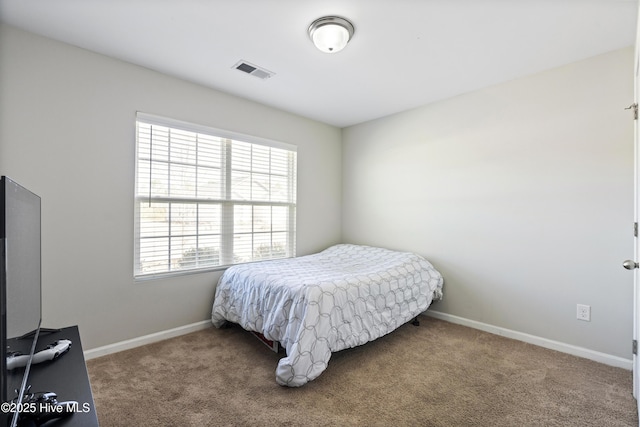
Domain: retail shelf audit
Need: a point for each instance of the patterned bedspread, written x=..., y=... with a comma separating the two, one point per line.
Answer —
x=314, y=305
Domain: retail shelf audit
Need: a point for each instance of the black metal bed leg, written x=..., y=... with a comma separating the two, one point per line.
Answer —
x=415, y=321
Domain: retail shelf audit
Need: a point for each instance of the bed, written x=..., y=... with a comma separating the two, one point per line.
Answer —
x=314, y=305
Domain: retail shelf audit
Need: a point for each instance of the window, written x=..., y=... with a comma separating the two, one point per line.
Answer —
x=206, y=198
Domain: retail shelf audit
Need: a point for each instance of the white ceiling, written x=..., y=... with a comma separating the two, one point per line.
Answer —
x=405, y=53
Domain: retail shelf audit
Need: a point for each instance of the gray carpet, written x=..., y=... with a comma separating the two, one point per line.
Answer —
x=436, y=374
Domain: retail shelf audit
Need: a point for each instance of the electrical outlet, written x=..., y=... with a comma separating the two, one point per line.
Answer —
x=584, y=312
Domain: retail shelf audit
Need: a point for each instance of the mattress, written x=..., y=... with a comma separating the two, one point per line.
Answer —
x=314, y=305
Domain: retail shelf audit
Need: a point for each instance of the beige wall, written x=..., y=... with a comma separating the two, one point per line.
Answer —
x=521, y=194
x=67, y=133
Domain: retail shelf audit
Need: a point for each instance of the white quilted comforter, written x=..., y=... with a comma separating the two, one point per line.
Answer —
x=314, y=305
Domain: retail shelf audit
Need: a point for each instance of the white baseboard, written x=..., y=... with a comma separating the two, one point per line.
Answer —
x=596, y=356
x=146, y=339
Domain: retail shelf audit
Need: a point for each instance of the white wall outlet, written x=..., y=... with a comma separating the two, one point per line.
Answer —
x=584, y=312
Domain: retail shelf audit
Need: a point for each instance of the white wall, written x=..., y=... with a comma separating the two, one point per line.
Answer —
x=521, y=194
x=67, y=133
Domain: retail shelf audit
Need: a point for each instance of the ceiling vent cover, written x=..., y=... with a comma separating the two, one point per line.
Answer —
x=254, y=70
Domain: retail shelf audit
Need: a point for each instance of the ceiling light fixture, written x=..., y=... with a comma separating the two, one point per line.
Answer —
x=331, y=34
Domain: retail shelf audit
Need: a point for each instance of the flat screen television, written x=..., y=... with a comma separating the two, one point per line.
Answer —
x=20, y=286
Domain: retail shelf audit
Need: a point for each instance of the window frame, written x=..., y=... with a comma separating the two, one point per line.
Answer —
x=226, y=202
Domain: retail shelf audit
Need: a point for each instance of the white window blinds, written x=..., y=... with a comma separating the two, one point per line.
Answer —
x=207, y=198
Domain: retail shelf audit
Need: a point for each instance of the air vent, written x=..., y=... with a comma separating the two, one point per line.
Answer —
x=254, y=70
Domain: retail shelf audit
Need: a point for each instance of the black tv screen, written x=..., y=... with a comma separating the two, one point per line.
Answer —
x=20, y=281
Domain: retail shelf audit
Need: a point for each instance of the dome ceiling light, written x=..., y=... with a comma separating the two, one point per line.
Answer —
x=331, y=34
